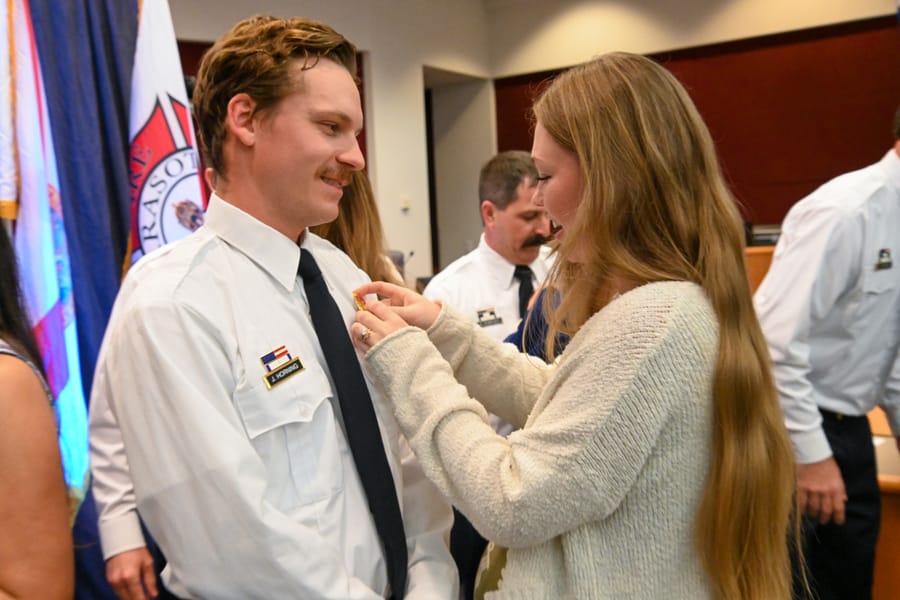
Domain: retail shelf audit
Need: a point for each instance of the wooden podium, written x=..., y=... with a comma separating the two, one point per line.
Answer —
x=757, y=259
x=887, y=554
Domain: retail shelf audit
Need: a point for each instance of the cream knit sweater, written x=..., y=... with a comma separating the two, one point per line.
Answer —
x=596, y=495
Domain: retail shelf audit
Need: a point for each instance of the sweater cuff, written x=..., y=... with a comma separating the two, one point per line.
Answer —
x=450, y=333
x=437, y=328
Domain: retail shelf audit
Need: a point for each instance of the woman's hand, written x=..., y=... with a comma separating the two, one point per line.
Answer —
x=399, y=307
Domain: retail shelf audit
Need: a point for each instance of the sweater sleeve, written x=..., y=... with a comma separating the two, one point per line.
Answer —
x=594, y=424
x=503, y=379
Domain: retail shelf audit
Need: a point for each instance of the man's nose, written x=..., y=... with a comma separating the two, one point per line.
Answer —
x=353, y=157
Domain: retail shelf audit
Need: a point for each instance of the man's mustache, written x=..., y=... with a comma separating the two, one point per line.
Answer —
x=535, y=240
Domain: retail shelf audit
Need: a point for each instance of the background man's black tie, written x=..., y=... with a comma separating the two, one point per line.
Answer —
x=526, y=287
x=363, y=434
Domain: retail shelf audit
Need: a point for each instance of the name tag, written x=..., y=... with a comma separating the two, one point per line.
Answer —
x=488, y=317
x=279, y=366
x=884, y=260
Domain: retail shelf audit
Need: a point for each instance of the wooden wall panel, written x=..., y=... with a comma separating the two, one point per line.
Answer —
x=787, y=112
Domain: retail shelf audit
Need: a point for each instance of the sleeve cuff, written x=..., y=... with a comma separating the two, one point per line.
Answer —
x=893, y=418
x=436, y=327
x=810, y=446
x=444, y=332
x=120, y=534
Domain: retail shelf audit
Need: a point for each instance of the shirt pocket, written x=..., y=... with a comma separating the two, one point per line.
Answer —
x=878, y=281
x=875, y=321
x=293, y=429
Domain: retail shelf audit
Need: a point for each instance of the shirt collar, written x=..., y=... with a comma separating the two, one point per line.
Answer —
x=891, y=165
x=498, y=267
x=275, y=253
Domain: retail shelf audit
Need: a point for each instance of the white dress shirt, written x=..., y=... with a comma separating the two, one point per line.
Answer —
x=482, y=286
x=830, y=304
x=251, y=492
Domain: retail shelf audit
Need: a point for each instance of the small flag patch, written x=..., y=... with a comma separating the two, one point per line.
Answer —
x=279, y=366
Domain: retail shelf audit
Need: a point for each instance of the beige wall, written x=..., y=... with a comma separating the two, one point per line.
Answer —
x=538, y=35
x=399, y=38
x=493, y=38
x=465, y=137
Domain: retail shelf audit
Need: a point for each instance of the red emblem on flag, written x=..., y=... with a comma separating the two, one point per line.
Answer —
x=164, y=180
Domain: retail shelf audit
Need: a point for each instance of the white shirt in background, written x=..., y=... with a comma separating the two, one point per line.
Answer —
x=482, y=286
x=830, y=304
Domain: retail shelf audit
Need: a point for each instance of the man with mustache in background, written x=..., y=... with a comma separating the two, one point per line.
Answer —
x=486, y=283
x=492, y=284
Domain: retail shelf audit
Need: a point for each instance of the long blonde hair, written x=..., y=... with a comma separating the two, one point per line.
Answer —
x=655, y=208
x=358, y=232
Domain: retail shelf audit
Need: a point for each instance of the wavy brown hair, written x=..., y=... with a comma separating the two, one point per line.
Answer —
x=655, y=207
x=358, y=232
x=255, y=57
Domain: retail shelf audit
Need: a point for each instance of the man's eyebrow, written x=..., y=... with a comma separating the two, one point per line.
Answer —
x=336, y=115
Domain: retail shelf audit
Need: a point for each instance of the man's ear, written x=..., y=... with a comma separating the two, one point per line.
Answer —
x=239, y=118
x=488, y=211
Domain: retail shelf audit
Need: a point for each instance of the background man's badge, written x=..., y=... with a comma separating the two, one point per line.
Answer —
x=884, y=260
x=488, y=317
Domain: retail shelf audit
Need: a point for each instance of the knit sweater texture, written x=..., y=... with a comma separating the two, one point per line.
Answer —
x=596, y=496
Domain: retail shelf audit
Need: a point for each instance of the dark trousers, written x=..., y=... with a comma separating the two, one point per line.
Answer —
x=466, y=546
x=840, y=559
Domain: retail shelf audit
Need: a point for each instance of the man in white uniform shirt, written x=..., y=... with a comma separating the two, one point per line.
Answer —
x=483, y=283
x=830, y=310
x=214, y=411
x=487, y=284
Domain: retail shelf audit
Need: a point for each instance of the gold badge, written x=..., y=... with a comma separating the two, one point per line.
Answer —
x=279, y=366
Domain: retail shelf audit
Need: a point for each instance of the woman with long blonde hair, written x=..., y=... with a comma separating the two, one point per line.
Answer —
x=652, y=460
x=656, y=208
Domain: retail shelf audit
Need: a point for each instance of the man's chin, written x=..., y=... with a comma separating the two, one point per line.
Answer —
x=326, y=217
x=528, y=255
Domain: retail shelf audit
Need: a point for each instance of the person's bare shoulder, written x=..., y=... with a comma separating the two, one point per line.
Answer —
x=36, y=545
x=23, y=403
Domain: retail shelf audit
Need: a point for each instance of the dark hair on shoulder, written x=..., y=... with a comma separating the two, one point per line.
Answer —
x=255, y=57
x=501, y=176
x=14, y=327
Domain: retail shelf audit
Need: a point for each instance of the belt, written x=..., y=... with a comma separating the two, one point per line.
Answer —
x=836, y=416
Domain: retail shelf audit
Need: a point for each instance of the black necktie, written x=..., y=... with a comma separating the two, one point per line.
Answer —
x=363, y=434
x=526, y=287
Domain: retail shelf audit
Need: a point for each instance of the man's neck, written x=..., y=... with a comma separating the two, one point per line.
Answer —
x=490, y=243
x=251, y=200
